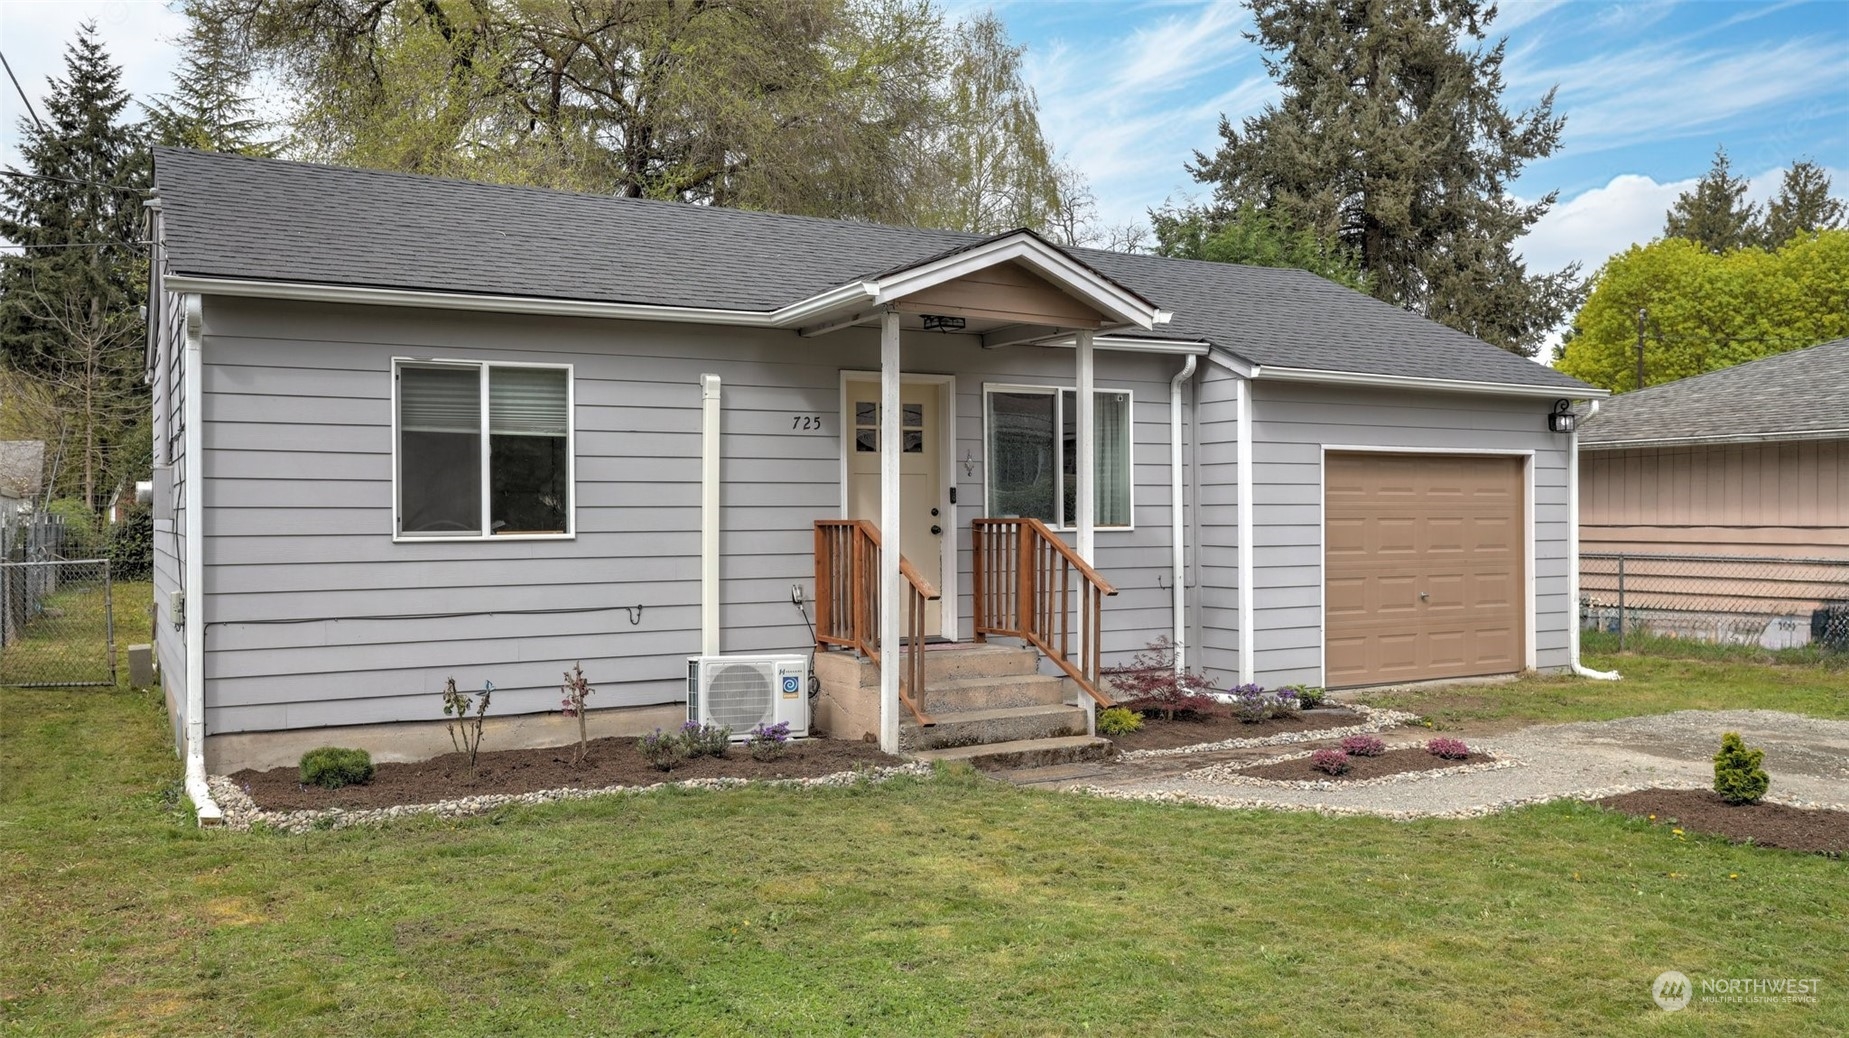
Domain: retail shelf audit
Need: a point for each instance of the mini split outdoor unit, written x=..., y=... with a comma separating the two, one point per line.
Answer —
x=742, y=692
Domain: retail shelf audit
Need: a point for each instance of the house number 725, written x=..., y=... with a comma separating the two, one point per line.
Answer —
x=806, y=422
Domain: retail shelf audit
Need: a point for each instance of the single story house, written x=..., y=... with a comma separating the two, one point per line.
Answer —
x=410, y=429
x=22, y=474
x=1692, y=480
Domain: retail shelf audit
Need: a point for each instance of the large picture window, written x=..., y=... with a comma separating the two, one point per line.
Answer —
x=1032, y=447
x=484, y=450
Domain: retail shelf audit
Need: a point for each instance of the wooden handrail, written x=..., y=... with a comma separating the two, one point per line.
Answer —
x=847, y=602
x=1026, y=580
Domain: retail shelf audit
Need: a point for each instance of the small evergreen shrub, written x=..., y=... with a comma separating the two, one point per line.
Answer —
x=662, y=749
x=1363, y=746
x=767, y=742
x=1739, y=774
x=1119, y=721
x=332, y=767
x=1310, y=697
x=705, y=740
x=1446, y=748
x=1333, y=762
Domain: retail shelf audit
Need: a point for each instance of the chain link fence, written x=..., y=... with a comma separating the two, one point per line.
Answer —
x=57, y=615
x=1767, y=602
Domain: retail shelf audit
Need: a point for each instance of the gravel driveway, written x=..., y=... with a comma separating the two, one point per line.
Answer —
x=1807, y=758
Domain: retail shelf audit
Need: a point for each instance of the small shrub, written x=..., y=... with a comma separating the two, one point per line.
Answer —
x=1152, y=685
x=1446, y=748
x=706, y=740
x=1119, y=721
x=1284, y=702
x=767, y=742
x=1739, y=774
x=332, y=767
x=1250, y=704
x=1310, y=697
x=1334, y=762
x=465, y=732
x=662, y=749
x=576, y=690
x=1363, y=746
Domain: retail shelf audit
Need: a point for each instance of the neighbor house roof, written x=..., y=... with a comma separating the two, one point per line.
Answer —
x=1800, y=395
x=22, y=468
x=243, y=218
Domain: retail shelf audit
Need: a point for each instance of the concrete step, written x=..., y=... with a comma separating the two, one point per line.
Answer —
x=944, y=663
x=999, y=725
x=957, y=694
x=1026, y=753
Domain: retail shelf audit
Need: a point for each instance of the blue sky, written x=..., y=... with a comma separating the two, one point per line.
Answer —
x=1128, y=91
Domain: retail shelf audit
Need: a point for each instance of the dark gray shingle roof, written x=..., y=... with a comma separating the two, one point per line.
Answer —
x=1803, y=394
x=230, y=216
x=22, y=468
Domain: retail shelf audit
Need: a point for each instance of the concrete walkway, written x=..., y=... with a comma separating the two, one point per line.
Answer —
x=1807, y=758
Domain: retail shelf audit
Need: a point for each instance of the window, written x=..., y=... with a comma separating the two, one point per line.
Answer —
x=1032, y=449
x=483, y=447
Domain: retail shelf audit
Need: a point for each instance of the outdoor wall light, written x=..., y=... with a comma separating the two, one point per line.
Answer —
x=1562, y=419
x=940, y=323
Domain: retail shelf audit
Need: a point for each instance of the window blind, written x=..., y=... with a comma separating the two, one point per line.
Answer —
x=527, y=402
x=445, y=400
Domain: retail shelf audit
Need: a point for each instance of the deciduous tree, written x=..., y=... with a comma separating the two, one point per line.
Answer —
x=1254, y=236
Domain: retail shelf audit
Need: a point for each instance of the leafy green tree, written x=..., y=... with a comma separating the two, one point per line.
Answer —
x=1253, y=236
x=70, y=297
x=1707, y=311
x=1803, y=205
x=1391, y=139
x=211, y=107
x=1715, y=213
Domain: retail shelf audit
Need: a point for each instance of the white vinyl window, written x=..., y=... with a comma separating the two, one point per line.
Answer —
x=1031, y=443
x=482, y=450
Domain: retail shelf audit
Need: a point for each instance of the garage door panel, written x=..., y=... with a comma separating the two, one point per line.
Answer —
x=1424, y=567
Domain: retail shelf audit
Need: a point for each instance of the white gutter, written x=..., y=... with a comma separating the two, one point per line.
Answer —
x=1442, y=385
x=709, y=514
x=1573, y=631
x=1177, y=501
x=1248, y=613
x=193, y=409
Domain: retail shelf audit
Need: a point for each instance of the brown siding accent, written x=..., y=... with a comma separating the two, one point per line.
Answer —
x=1007, y=292
x=1424, y=569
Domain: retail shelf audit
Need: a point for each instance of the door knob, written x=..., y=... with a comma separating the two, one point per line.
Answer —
x=1423, y=596
x=936, y=529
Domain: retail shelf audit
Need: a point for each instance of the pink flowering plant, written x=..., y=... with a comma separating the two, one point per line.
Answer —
x=1363, y=746
x=1333, y=762
x=576, y=690
x=1447, y=749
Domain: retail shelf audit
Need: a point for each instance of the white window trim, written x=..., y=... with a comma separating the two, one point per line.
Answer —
x=1058, y=393
x=571, y=453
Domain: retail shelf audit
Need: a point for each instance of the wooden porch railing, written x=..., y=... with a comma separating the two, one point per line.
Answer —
x=847, y=602
x=1026, y=582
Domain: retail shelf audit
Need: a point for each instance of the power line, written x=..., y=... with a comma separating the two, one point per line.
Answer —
x=22, y=92
x=68, y=180
x=74, y=244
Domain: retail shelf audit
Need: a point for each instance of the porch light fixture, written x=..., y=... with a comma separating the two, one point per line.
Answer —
x=1562, y=419
x=940, y=323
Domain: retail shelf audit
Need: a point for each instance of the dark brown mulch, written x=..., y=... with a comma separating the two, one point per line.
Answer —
x=1392, y=762
x=612, y=762
x=1766, y=825
x=1192, y=730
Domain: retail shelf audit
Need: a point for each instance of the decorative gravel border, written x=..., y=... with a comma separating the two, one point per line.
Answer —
x=1377, y=719
x=1229, y=774
x=1475, y=811
x=241, y=812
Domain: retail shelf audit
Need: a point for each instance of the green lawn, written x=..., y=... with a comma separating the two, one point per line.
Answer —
x=1651, y=685
x=950, y=905
x=69, y=641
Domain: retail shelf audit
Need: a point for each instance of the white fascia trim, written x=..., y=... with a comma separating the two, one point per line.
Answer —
x=1233, y=362
x=1127, y=344
x=1716, y=441
x=1070, y=275
x=1442, y=385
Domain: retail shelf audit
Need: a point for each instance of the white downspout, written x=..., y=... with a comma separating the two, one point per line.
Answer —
x=709, y=515
x=1248, y=635
x=1177, y=501
x=193, y=409
x=1573, y=559
x=890, y=542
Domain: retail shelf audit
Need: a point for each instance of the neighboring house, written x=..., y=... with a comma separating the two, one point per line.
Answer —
x=1691, y=479
x=459, y=429
x=22, y=473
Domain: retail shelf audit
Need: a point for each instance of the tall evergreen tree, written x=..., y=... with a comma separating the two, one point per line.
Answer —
x=210, y=107
x=1391, y=139
x=1715, y=213
x=69, y=298
x=1802, y=206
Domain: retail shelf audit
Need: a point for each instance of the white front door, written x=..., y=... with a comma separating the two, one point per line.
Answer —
x=922, y=505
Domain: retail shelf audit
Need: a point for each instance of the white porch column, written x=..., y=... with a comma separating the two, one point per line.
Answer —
x=890, y=441
x=1085, y=523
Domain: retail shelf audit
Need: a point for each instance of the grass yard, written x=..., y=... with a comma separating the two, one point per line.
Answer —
x=69, y=640
x=952, y=905
x=1652, y=685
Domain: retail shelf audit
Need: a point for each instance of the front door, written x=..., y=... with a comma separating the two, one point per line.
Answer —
x=921, y=502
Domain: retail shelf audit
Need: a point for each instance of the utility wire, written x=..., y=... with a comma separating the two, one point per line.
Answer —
x=68, y=180
x=74, y=244
x=22, y=92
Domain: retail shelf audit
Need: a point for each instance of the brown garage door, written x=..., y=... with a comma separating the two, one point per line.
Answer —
x=1423, y=574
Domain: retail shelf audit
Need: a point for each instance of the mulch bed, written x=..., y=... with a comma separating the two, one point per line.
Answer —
x=612, y=762
x=1192, y=729
x=1766, y=825
x=1392, y=762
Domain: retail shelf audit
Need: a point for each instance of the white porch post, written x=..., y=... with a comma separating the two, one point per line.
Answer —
x=890, y=437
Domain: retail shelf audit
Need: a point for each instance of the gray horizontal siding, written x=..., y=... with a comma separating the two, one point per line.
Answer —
x=1217, y=525
x=299, y=463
